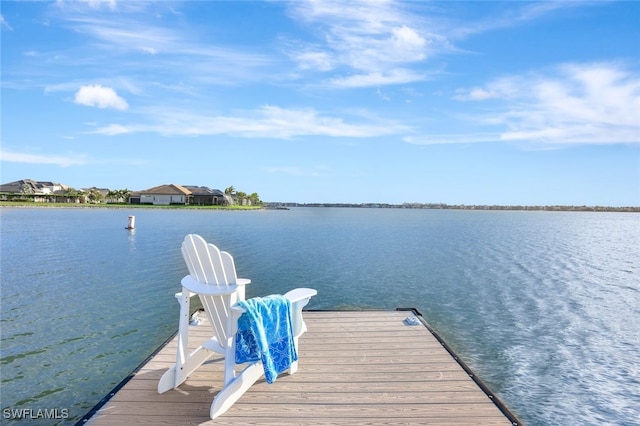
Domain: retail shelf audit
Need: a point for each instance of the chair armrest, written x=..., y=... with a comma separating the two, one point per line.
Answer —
x=198, y=287
x=243, y=281
x=298, y=294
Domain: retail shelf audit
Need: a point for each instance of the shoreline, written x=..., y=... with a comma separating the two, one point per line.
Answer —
x=431, y=206
x=10, y=204
x=286, y=206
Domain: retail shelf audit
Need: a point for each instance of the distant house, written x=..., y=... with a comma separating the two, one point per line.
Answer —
x=134, y=197
x=103, y=191
x=24, y=186
x=52, y=188
x=96, y=195
x=37, y=191
x=29, y=186
x=165, y=195
x=203, y=196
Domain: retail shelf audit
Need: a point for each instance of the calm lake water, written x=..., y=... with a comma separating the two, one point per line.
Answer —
x=543, y=306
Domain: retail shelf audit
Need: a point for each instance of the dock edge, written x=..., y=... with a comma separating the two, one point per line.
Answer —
x=478, y=381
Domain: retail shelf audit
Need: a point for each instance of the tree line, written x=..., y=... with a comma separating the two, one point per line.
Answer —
x=242, y=197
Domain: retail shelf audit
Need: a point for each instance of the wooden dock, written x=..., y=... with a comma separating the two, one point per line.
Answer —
x=356, y=367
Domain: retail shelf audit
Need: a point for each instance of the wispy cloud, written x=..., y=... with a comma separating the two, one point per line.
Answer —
x=28, y=158
x=266, y=122
x=4, y=24
x=116, y=129
x=374, y=43
x=125, y=34
x=395, y=76
x=111, y=4
x=516, y=13
x=311, y=58
x=594, y=103
x=171, y=46
x=453, y=138
x=101, y=97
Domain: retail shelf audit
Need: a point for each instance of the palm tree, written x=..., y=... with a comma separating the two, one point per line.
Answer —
x=123, y=195
x=241, y=197
x=118, y=195
x=113, y=195
x=255, y=200
x=73, y=195
x=95, y=196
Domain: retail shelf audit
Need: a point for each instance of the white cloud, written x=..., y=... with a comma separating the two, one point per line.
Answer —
x=127, y=35
x=94, y=4
x=382, y=95
x=314, y=60
x=266, y=122
x=27, y=158
x=97, y=4
x=376, y=40
x=113, y=129
x=395, y=76
x=151, y=38
x=513, y=16
x=408, y=43
x=149, y=50
x=169, y=46
x=502, y=88
x=371, y=40
x=595, y=103
x=4, y=24
x=475, y=94
x=442, y=139
x=101, y=97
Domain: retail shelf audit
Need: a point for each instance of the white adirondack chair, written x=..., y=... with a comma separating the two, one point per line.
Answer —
x=212, y=276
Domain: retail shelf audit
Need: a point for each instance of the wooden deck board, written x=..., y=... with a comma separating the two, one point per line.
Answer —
x=355, y=368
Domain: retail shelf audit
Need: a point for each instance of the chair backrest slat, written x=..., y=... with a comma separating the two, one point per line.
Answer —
x=229, y=267
x=207, y=264
x=203, y=260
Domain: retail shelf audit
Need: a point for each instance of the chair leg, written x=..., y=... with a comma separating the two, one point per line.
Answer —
x=233, y=390
x=182, y=354
x=168, y=380
x=186, y=362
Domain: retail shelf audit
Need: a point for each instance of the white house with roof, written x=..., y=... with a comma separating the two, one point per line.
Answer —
x=165, y=195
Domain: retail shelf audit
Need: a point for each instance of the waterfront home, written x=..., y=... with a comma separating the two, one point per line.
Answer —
x=165, y=195
x=37, y=191
x=203, y=196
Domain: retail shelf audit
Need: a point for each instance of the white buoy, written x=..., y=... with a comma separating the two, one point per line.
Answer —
x=132, y=222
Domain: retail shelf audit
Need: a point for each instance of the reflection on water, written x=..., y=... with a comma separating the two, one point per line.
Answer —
x=132, y=240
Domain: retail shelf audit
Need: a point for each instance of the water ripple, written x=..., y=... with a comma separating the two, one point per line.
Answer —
x=544, y=306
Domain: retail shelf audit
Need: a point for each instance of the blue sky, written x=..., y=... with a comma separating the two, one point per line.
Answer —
x=534, y=103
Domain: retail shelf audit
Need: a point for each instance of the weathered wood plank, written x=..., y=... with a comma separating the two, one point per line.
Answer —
x=325, y=420
x=315, y=396
x=311, y=409
x=211, y=386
